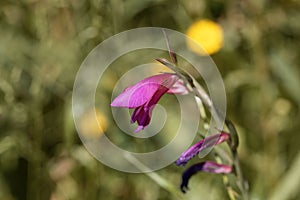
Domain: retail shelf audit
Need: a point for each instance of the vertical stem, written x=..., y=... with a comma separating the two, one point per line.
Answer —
x=241, y=182
x=204, y=97
x=234, y=143
x=231, y=193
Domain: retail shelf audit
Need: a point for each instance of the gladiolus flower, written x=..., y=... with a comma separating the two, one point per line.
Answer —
x=208, y=166
x=143, y=96
x=200, y=146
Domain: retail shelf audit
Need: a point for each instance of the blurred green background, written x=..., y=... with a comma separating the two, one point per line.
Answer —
x=42, y=44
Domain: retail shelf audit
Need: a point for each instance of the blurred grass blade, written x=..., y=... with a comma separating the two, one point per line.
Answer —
x=289, y=186
x=155, y=177
x=287, y=74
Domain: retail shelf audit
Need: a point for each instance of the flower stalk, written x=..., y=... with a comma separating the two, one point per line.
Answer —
x=199, y=92
x=144, y=95
x=234, y=142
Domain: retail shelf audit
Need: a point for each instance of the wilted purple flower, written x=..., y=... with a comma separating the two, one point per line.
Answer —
x=208, y=166
x=143, y=96
x=201, y=145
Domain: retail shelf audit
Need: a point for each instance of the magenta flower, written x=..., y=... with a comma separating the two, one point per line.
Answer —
x=208, y=166
x=143, y=96
x=200, y=146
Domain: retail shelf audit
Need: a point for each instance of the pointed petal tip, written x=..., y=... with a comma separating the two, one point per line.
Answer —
x=139, y=128
x=181, y=162
x=184, y=188
x=117, y=103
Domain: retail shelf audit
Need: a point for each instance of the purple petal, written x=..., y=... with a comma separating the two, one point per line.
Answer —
x=212, y=167
x=137, y=113
x=143, y=114
x=143, y=91
x=178, y=88
x=208, y=166
x=164, y=87
x=201, y=145
x=144, y=95
x=139, y=128
x=143, y=119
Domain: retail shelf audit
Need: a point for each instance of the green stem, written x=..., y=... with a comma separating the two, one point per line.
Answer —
x=198, y=90
x=241, y=182
x=231, y=193
x=234, y=143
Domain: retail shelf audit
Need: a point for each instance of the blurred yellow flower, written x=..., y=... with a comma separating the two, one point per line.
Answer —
x=208, y=34
x=92, y=126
